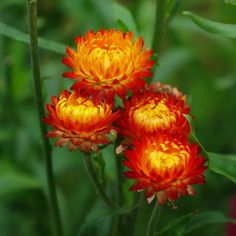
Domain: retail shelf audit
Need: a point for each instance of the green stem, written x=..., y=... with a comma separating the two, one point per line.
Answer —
x=119, y=218
x=153, y=220
x=139, y=200
x=93, y=176
x=32, y=14
x=159, y=25
x=119, y=181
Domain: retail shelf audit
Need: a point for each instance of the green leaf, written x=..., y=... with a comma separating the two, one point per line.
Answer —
x=218, y=163
x=98, y=220
x=193, y=137
x=177, y=227
x=232, y=2
x=192, y=221
x=12, y=180
x=223, y=164
x=118, y=102
x=100, y=164
x=171, y=9
x=120, y=12
x=206, y=218
x=175, y=59
x=227, y=30
x=13, y=33
x=122, y=25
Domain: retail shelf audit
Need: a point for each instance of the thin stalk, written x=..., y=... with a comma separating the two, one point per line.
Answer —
x=120, y=219
x=119, y=181
x=159, y=25
x=93, y=176
x=32, y=15
x=153, y=220
x=139, y=199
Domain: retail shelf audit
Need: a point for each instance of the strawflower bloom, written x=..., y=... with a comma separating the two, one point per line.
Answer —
x=165, y=167
x=157, y=108
x=79, y=122
x=108, y=62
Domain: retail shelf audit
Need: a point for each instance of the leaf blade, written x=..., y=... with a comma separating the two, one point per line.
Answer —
x=13, y=180
x=226, y=30
x=13, y=33
x=223, y=164
x=206, y=218
x=120, y=12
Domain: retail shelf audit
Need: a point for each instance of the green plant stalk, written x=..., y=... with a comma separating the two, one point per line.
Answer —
x=159, y=25
x=32, y=16
x=94, y=179
x=119, y=181
x=139, y=200
x=153, y=220
x=119, y=176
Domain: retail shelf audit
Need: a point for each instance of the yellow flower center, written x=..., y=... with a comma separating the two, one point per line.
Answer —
x=80, y=110
x=105, y=58
x=154, y=115
x=169, y=155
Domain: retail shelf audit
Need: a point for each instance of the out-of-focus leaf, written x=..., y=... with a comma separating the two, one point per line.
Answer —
x=227, y=30
x=218, y=163
x=177, y=227
x=102, y=7
x=232, y=2
x=12, y=180
x=94, y=222
x=190, y=222
x=5, y=134
x=122, y=25
x=22, y=37
x=223, y=164
x=174, y=59
x=206, y=218
x=7, y=3
x=101, y=167
x=120, y=12
x=193, y=137
x=226, y=82
x=109, y=157
x=171, y=9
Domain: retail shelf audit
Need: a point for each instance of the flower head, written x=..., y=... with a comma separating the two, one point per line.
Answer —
x=108, y=62
x=158, y=108
x=79, y=122
x=165, y=167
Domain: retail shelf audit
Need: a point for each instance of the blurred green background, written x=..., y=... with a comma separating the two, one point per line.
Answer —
x=202, y=65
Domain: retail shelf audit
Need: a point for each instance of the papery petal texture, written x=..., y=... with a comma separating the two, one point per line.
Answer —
x=165, y=167
x=155, y=109
x=108, y=62
x=80, y=122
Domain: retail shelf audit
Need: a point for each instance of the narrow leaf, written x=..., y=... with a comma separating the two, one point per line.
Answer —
x=94, y=221
x=193, y=137
x=206, y=218
x=232, y=2
x=192, y=221
x=218, y=163
x=176, y=227
x=13, y=33
x=100, y=164
x=120, y=12
x=227, y=30
x=12, y=180
x=223, y=164
x=171, y=9
x=122, y=25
